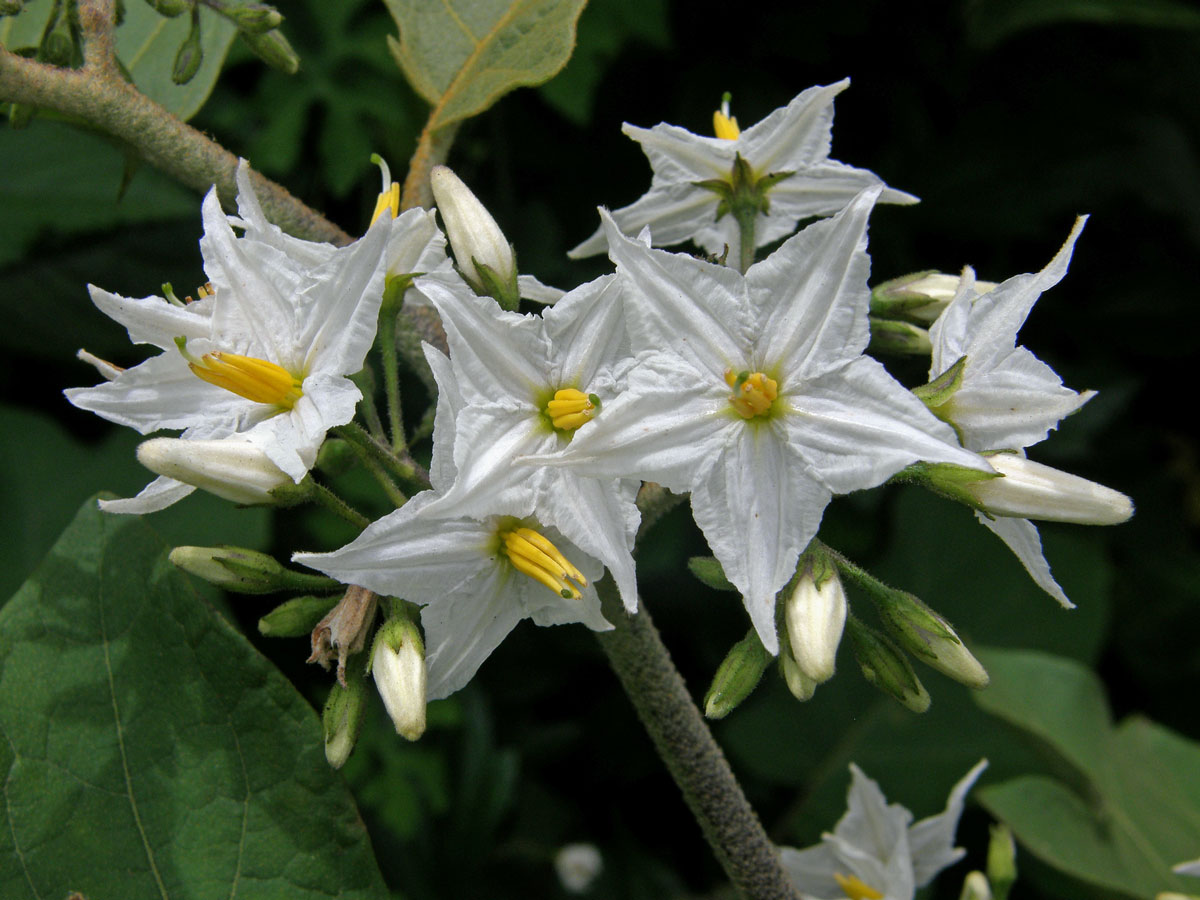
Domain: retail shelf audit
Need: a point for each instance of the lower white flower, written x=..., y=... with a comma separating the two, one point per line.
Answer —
x=875, y=852
x=475, y=578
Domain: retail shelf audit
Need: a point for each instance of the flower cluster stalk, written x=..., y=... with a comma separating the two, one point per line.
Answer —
x=637, y=654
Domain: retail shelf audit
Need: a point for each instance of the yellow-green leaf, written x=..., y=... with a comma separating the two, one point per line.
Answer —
x=463, y=55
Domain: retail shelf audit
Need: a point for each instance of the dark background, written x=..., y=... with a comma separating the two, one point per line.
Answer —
x=1006, y=118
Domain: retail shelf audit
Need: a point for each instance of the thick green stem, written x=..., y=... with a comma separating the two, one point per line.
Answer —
x=745, y=221
x=637, y=655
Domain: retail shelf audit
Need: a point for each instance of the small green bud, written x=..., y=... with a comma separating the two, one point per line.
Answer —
x=297, y=617
x=190, y=54
x=975, y=887
x=172, y=8
x=941, y=389
x=893, y=336
x=930, y=638
x=273, y=49
x=342, y=718
x=1001, y=861
x=737, y=676
x=709, y=571
x=885, y=666
x=254, y=17
x=244, y=571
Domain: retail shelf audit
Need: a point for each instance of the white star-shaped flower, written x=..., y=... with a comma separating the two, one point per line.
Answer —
x=528, y=383
x=1008, y=398
x=875, y=851
x=477, y=577
x=795, y=138
x=263, y=358
x=752, y=393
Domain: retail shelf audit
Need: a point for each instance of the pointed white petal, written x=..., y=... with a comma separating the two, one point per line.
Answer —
x=796, y=135
x=442, y=470
x=811, y=295
x=496, y=355
x=415, y=244
x=758, y=510
x=677, y=155
x=857, y=426
x=1022, y=538
x=158, y=494
x=587, y=331
x=931, y=841
x=532, y=289
x=950, y=332
x=676, y=302
x=259, y=228
x=811, y=870
x=152, y=320
x=824, y=189
x=673, y=212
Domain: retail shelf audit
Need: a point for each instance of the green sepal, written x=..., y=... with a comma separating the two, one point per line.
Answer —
x=394, y=288
x=250, y=563
x=894, y=336
x=942, y=388
x=297, y=617
x=737, y=676
x=255, y=18
x=947, y=480
x=491, y=284
x=709, y=571
x=885, y=666
x=273, y=49
x=190, y=54
x=892, y=298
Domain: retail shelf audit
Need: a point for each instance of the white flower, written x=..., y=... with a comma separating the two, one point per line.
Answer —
x=794, y=138
x=231, y=468
x=527, y=383
x=264, y=357
x=476, y=577
x=815, y=617
x=398, y=667
x=476, y=238
x=465, y=573
x=752, y=393
x=875, y=847
x=1008, y=398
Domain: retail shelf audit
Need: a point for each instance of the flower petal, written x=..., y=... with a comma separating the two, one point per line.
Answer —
x=587, y=331
x=158, y=494
x=1022, y=538
x=152, y=320
x=931, y=841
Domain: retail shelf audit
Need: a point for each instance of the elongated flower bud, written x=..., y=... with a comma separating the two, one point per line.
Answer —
x=920, y=296
x=930, y=638
x=737, y=676
x=398, y=665
x=1031, y=490
x=885, y=666
x=1001, y=861
x=245, y=571
x=342, y=718
x=815, y=614
x=233, y=469
x=485, y=257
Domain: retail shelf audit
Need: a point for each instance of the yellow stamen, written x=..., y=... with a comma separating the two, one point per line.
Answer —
x=389, y=202
x=725, y=126
x=533, y=555
x=246, y=376
x=753, y=393
x=855, y=889
x=571, y=408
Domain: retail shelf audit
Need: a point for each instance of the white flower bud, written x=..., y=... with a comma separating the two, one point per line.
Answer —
x=234, y=469
x=921, y=296
x=815, y=616
x=475, y=237
x=398, y=666
x=1030, y=490
x=577, y=866
x=975, y=887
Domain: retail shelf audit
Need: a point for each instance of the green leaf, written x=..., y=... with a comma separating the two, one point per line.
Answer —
x=149, y=751
x=463, y=55
x=1127, y=806
x=991, y=21
x=147, y=44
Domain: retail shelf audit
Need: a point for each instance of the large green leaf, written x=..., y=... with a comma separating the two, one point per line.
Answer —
x=463, y=55
x=992, y=21
x=146, y=45
x=149, y=751
x=1127, y=806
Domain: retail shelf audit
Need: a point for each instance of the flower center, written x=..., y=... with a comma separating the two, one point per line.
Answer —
x=725, y=126
x=855, y=889
x=570, y=408
x=533, y=555
x=753, y=393
x=246, y=376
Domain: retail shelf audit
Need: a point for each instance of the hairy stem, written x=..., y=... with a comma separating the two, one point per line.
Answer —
x=100, y=97
x=637, y=655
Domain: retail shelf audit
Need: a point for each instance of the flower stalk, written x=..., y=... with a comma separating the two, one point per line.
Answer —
x=641, y=661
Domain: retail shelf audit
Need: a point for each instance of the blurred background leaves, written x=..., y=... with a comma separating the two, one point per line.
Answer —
x=1006, y=118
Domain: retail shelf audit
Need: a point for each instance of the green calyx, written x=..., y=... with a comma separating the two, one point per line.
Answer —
x=947, y=480
x=938, y=392
x=743, y=194
x=737, y=676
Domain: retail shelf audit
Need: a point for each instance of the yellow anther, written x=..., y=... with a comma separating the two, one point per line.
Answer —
x=533, y=555
x=855, y=889
x=571, y=408
x=725, y=126
x=389, y=202
x=753, y=393
x=246, y=376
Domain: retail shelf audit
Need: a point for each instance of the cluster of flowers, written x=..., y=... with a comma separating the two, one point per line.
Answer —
x=745, y=386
